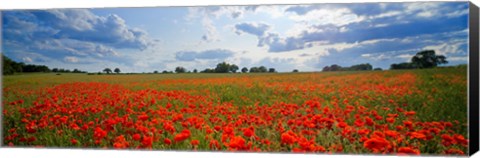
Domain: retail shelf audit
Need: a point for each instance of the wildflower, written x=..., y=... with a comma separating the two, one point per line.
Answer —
x=408, y=150
x=376, y=144
x=194, y=142
x=136, y=137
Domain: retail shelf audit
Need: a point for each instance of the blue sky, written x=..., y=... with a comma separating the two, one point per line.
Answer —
x=285, y=37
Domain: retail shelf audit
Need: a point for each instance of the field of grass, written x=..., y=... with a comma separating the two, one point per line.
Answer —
x=382, y=112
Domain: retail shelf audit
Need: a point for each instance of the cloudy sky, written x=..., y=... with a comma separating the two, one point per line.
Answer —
x=286, y=37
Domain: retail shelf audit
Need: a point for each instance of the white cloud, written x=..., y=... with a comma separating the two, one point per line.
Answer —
x=27, y=59
x=70, y=59
x=274, y=11
x=211, y=33
x=457, y=13
x=328, y=16
x=457, y=59
x=447, y=48
x=404, y=56
x=387, y=14
x=377, y=57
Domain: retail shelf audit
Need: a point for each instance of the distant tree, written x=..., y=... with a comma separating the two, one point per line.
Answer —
x=262, y=69
x=333, y=67
x=55, y=70
x=164, y=71
x=244, y=70
x=254, y=69
x=155, y=72
x=295, y=70
x=378, y=69
x=76, y=71
x=180, y=69
x=271, y=70
x=207, y=70
x=222, y=67
x=233, y=68
x=117, y=70
x=35, y=68
x=107, y=70
x=405, y=65
x=195, y=71
x=7, y=65
x=428, y=59
x=10, y=67
x=360, y=67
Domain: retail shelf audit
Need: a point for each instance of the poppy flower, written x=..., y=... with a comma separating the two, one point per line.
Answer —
x=74, y=141
x=147, y=141
x=136, y=137
x=376, y=144
x=194, y=142
x=288, y=138
x=248, y=132
x=408, y=150
x=167, y=141
x=99, y=133
x=417, y=135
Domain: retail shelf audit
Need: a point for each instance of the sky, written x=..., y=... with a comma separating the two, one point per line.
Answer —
x=284, y=37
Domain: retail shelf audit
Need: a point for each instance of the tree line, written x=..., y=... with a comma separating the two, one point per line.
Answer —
x=423, y=59
x=224, y=67
x=359, y=67
x=11, y=67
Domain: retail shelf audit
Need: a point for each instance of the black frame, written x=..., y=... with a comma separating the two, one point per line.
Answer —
x=473, y=79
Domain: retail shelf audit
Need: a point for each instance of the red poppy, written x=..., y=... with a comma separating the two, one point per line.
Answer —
x=136, y=137
x=417, y=135
x=194, y=142
x=74, y=141
x=147, y=141
x=248, y=132
x=288, y=137
x=376, y=144
x=99, y=133
x=408, y=150
x=167, y=141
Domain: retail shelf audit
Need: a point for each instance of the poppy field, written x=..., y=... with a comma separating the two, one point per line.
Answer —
x=375, y=112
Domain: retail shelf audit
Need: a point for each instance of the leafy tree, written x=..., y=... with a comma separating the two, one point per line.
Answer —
x=7, y=66
x=55, y=70
x=107, y=70
x=254, y=69
x=262, y=69
x=155, y=72
x=117, y=70
x=405, y=65
x=244, y=70
x=233, y=68
x=180, y=69
x=271, y=70
x=222, y=67
x=195, y=70
x=333, y=67
x=35, y=68
x=207, y=70
x=378, y=69
x=76, y=71
x=360, y=67
x=295, y=70
x=428, y=59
